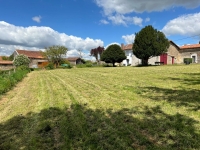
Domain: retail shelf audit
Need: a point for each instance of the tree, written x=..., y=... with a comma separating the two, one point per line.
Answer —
x=113, y=54
x=5, y=58
x=148, y=43
x=21, y=60
x=96, y=52
x=55, y=54
x=11, y=57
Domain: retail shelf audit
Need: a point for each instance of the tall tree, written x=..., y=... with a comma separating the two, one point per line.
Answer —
x=55, y=54
x=113, y=54
x=96, y=52
x=148, y=43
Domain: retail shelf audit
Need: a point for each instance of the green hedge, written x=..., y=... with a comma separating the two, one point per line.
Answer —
x=8, y=80
x=187, y=60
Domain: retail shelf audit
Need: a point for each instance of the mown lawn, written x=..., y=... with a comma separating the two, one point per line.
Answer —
x=120, y=108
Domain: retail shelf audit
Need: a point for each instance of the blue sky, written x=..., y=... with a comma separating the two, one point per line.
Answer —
x=86, y=24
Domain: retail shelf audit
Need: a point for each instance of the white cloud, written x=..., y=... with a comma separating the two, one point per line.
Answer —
x=183, y=25
x=104, y=22
x=147, y=19
x=33, y=37
x=137, y=21
x=128, y=6
x=37, y=19
x=73, y=53
x=121, y=19
x=116, y=9
x=129, y=38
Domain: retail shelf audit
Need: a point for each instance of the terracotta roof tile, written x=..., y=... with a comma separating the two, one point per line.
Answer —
x=127, y=47
x=72, y=58
x=6, y=62
x=190, y=46
x=30, y=54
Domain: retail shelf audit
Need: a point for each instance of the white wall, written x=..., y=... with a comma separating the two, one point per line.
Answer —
x=134, y=61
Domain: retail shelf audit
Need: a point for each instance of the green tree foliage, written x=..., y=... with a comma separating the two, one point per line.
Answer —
x=5, y=58
x=96, y=52
x=21, y=60
x=55, y=54
x=11, y=57
x=148, y=43
x=113, y=54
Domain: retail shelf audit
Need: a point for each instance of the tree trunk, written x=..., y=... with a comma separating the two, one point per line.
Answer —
x=145, y=62
x=97, y=61
x=113, y=64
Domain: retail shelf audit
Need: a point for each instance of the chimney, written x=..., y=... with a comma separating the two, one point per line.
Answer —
x=122, y=45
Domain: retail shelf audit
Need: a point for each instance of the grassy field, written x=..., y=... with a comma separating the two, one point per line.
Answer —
x=121, y=108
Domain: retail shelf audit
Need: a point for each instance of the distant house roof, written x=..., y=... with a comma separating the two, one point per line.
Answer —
x=5, y=62
x=127, y=47
x=31, y=54
x=72, y=58
x=192, y=46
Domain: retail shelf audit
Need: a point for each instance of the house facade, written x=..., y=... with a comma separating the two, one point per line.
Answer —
x=37, y=60
x=174, y=55
x=131, y=59
x=191, y=51
x=74, y=60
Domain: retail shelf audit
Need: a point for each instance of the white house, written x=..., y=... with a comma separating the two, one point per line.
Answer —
x=131, y=59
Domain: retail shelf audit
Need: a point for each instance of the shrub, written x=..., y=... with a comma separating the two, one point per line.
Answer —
x=65, y=66
x=187, y=60
x=22, y=67
x=8, y=81
x=88, y=65
x=21, y=60
x=50, y=66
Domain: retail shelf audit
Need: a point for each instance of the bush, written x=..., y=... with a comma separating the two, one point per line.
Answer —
x=21, y=60
x=187, y=60
x=65, y=66
x=50, y=66
x=8, y=81
x=88, y=65
x=23, y=67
